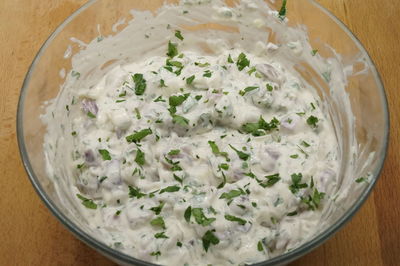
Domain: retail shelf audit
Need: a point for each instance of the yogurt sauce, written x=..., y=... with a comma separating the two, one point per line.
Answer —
x=183, y=155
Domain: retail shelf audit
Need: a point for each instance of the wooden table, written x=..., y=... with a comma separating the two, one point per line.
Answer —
x=30, y=235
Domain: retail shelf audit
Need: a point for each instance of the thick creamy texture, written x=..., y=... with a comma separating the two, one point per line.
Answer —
x=185, y=155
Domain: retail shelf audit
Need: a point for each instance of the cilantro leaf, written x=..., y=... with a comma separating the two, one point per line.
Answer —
x=91, y=115
x=135, y=193
x=88, y=203
x=261, y=127
x=361, y=179
x=159, y=99
x=140, y=160
x=235, y=219
x=242, y=155
x=232, y=194
x=247, y=89
x=138, y=136
x=159, y=221
x=157, y=209
x=201, y=218
x=230, y=60
x=208, y=239
x=312, y=121
x=180, y=120
x=160, y=235
x=216, y=151
x=105, y=155
x=188, y=214
x=170, y=189
x=174, y=152
x=140, y=83
x=172, y=49
x=272, y=180
x=178, y=35
x=282, y=11
x=260, y=246
x=296, y=185
x=190, y=79
x=242, y=62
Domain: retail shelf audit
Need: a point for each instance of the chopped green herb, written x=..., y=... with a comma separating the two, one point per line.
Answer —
x=177, y=178
x=208, y=239
x=294, y=156
x=138, y=136
x=190, y=79
x=232, y=194
x=361, y=180
x=179, y=244
x=198, y=97
x=174, y=152
x=312, y=121
x=159, y=221
x=157, y=209
x=162, y=84
x=172, y=50
x=138, y=116
x=242, y=62
x=105, y=155
x=251, y=71
x=140, y=83
x=313, y=200
x=102, y=179
x=201, y=218
x=296, y=185
x=180, y=120
x=235, y=219
x=269, y=87
x=260, y=246
x=135, y=192
x=88, y=203
x=188, y=214
x=224, y=166
x=159, y=99
x=140, y=157
x=178, y=35
x=314, y=52
x=261, y=127
x=160, y=235
x=242, y=155
x=272, y=180
x=155, y=253
x=170, y=189
x=207, y=74
x=247, y=89
x=282, y=11
x=230, y=60
x=202, y=64
x=254, y=204
x=305, y=144
x=292, y=213
x=75, y=74
x=91, y=115
x=216, y=151
x=73, y=133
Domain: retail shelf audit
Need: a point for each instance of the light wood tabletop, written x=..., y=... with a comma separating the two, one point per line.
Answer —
x=32, y=236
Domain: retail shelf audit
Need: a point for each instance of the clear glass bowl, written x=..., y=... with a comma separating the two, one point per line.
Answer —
x=365, y=90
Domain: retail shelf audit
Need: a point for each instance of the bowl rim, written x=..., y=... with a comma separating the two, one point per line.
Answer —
x=122, y=257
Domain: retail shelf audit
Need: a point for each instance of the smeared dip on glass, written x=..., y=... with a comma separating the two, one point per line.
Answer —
x=181, y=145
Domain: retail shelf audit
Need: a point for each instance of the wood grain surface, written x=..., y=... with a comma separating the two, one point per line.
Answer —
x=30, y=235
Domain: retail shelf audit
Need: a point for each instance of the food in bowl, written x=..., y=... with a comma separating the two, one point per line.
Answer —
x=181, y=145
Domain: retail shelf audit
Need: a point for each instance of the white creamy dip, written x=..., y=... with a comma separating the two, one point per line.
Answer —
x=198, y=146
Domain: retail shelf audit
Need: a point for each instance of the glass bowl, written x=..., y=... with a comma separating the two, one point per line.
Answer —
x=365, y=91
